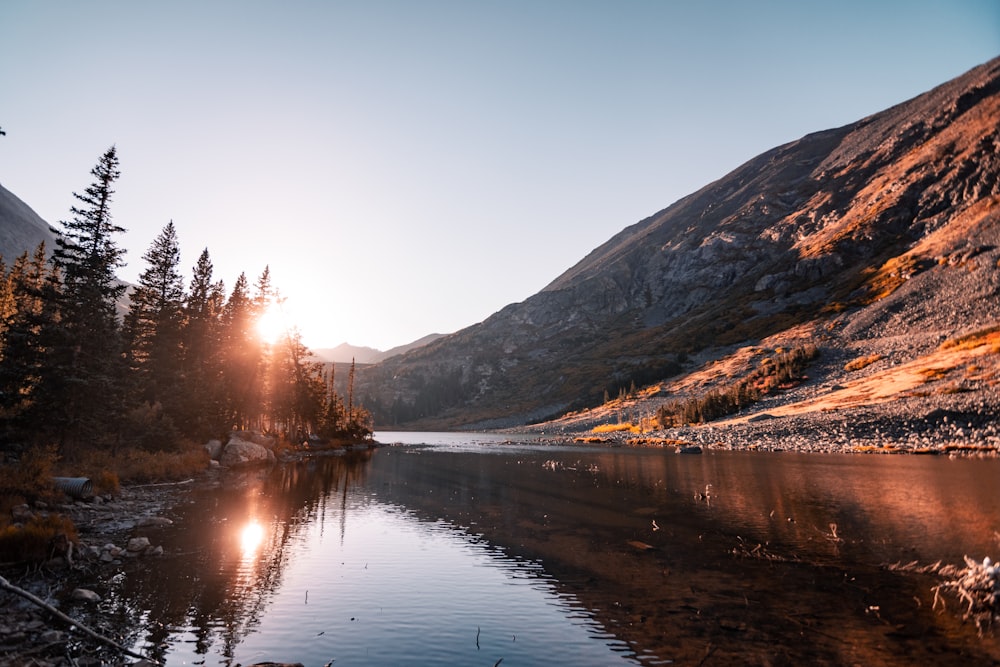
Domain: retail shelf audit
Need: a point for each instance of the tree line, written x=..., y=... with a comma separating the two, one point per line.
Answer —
x=179, y=363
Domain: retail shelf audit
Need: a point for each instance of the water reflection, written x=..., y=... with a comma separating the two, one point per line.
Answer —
x=730, y=554
x=585, y=556
x=250, y=538
x=304, y=563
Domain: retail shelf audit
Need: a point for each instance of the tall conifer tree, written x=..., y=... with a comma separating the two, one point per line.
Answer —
x=154, y=321
x=242, y=357
x=81, y=392
x=203, y=413
x=27, y=327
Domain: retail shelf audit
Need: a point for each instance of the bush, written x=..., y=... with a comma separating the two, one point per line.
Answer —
x=40, y=538
x=27, y=480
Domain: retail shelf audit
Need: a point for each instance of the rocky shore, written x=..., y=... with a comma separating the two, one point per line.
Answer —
x=963, y=425
x=112, y=530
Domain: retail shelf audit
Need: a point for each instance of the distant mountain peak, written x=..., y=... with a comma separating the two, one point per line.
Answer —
x=345, y=352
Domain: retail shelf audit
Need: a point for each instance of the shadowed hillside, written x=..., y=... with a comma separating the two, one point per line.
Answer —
x=21, y=229
x=829, y=226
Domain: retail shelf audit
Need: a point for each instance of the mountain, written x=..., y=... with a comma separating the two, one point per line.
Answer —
x=822, y=231
x=345, y=352
x=21, y=229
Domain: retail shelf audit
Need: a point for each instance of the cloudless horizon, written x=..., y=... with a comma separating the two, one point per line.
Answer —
x=407, y=168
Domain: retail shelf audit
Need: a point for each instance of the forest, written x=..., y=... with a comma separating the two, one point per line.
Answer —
x=177, y=365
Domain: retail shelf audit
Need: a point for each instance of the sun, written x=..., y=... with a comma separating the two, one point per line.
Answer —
x=271, y=325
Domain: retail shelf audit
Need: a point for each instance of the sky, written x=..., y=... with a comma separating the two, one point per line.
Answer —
x=406, y=168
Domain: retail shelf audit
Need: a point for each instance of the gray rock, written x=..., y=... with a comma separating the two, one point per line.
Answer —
x=52, y=636
x=154, y=521
x=239, y=452
x=21, y=513
x=85, y=595
x=137, y=544
x=214, y=449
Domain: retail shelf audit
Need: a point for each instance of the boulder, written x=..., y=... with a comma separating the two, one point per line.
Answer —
x=240, y=452
x=268, y=441
x=214, y=449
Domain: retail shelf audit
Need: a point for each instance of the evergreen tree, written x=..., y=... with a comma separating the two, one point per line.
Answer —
x=153, y=333
x=81, y=391
x=296, y=399
x=203, y=412
x=153, y=324
x=241, y=353
x=29, y=322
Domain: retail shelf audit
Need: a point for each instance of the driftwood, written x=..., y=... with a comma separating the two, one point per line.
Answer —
x=6, y=585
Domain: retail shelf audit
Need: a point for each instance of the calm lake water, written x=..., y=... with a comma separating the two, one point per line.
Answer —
x=469, y=549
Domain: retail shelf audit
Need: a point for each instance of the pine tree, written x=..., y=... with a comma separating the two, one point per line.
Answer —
x=28, y=324
x=296, y=401
x=153, y=324
x=203, y=412
x=241, y=353
x=81, y=391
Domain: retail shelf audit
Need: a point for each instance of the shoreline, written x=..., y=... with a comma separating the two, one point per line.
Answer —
x=959, y=423
x=964, y=426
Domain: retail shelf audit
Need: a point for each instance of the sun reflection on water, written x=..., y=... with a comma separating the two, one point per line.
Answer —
x=250, y=539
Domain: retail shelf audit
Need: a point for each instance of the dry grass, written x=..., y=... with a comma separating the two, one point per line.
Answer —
x=989, y=336
x=140, y=467
x=862, y=362
x=649, y=441
x=891, y=275
x=933, y=374
x=617, y=428
x=40, y=538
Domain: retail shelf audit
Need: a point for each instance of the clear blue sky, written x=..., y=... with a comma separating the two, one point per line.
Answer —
x=412, y=167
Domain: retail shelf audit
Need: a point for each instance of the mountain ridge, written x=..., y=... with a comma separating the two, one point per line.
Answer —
x=794, y=234
x=345, y=352
x=21, y=229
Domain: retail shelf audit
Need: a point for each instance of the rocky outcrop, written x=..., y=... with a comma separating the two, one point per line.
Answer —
x=829, y=222
x=241, y=452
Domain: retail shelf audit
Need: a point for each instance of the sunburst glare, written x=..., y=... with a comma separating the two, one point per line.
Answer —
x=250, y=538
x=271, y=325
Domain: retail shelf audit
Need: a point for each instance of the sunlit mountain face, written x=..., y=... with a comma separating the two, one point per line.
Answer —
x=884, y=230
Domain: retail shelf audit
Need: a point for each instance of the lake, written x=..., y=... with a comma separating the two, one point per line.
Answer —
x=473, y=549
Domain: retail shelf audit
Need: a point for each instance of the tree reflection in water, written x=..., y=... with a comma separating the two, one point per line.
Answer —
x=238, y=532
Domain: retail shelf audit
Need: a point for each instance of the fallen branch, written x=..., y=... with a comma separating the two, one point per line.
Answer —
x=149, y=486
x=6, y=585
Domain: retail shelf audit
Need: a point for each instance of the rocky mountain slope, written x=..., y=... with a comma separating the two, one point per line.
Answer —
x=884, y=231
x=21, y=229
